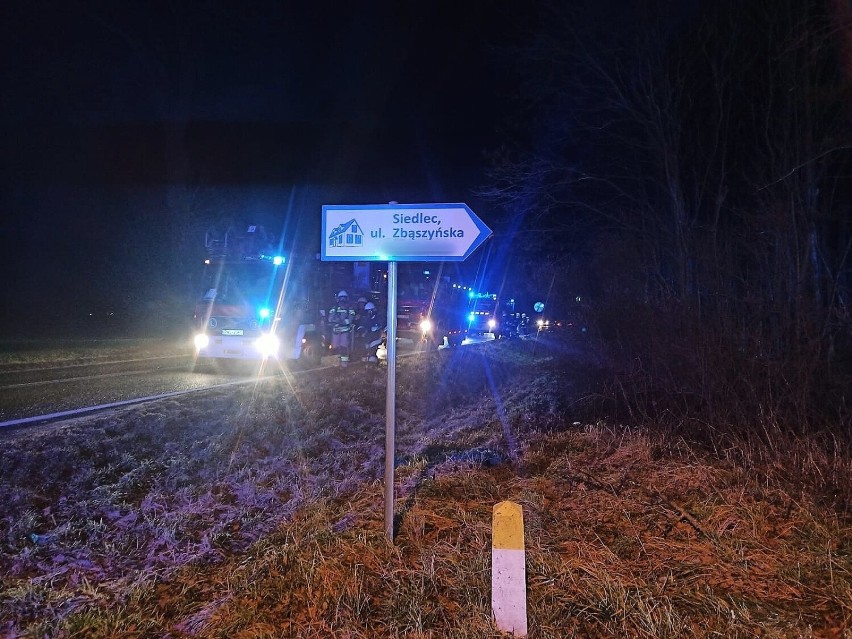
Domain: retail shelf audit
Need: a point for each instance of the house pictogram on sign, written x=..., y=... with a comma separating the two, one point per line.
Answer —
x=348, y=234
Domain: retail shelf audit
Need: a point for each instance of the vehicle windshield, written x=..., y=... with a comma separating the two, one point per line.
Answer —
x=483, y=304
x=249, y=284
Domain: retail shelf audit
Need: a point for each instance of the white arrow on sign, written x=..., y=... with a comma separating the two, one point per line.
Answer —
x=400, y=232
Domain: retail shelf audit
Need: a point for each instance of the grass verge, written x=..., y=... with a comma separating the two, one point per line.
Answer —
x=258, y=513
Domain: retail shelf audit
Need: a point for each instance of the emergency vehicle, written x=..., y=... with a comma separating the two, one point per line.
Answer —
x=487, y=313
x=255, y=304
x=438, y=312
x=430, y=310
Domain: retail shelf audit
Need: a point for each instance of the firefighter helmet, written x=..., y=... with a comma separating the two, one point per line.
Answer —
x=369, y=306
x=342, y=294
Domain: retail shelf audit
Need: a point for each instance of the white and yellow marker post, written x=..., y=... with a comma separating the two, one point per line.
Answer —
x=508, y=569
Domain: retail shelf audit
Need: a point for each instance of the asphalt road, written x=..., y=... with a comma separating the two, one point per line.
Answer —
x=45, y=388
x=53, y=389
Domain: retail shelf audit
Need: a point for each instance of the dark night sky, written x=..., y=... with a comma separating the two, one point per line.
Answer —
x=92, y=85
x=109, y=108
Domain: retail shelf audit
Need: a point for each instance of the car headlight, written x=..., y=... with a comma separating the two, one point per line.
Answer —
x=201, y=341
x=426, y=326
x=492, y=323
x=540, y=323
x=267, y=345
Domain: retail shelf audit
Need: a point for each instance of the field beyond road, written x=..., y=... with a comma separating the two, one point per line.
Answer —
x=257, y=512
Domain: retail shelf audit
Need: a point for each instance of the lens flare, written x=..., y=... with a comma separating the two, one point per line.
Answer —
x=267, y=345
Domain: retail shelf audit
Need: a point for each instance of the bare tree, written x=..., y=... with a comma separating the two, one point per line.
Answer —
x=800, y=136
x=704, y=157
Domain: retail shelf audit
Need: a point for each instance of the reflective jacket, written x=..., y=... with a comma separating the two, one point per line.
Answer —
x=341, y=318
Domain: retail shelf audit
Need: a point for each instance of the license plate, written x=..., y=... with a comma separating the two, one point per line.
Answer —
x=232, y=331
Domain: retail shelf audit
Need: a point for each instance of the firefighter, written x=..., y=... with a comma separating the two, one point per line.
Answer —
x=370, y=329
x=359, y=307
x=341, y=320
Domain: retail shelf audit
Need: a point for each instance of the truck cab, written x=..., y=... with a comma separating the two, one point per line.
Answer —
x=252, y=306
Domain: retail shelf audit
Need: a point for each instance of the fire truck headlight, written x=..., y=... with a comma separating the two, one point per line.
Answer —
x=267, y=345
x=492, y=323
x=540, y=323
x=426, y=326
x=201, y=341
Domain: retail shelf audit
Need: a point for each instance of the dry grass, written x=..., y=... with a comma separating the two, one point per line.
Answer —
x=258, y=513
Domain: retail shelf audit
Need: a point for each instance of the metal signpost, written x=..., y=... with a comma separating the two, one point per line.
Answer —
x=398, y=233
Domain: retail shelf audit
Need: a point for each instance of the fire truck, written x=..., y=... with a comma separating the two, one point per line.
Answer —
x=255, y=304
x=430, y=310
x=488, y=313
x=436, y=312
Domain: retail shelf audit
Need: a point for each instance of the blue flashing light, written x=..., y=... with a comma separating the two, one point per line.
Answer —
x=263, y=312
x=471, y=295
x=278, y=260
x=471, y=317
